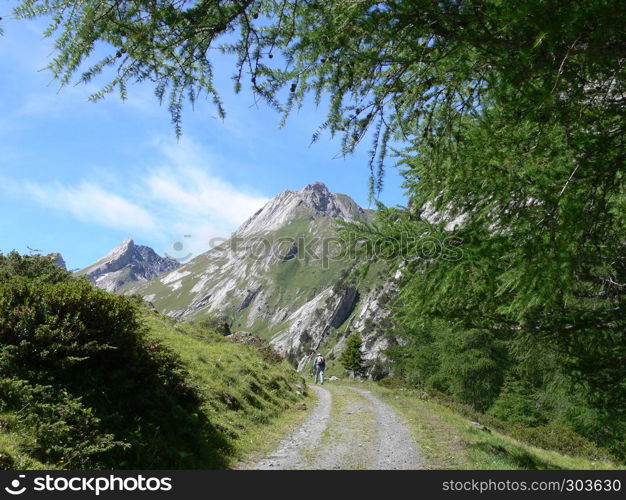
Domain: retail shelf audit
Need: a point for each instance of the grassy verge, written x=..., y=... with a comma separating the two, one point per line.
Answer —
x=12, y=454
x=247, y=398
x=448, y=441
x=259, y=444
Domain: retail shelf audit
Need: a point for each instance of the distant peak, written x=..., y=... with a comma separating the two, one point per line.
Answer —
x=126, y=263
x=312, y=201
x=319, y=187
x=58, y=260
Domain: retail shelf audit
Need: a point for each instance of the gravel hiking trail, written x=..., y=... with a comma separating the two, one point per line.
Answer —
x=348, y=428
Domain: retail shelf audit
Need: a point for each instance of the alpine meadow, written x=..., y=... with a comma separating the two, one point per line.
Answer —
x=496, y=292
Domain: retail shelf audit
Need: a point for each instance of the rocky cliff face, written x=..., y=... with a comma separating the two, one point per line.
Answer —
x=128, y=263
x=278, y=277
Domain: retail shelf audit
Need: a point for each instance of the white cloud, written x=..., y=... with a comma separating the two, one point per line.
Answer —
x=186, y=184
x=91, y=203
x=178, y=206
x=194, y=194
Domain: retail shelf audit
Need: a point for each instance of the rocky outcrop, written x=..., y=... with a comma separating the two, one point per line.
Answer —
x=291, y=253
x=312, y=325
x=249, y=298
x=348, y=297
x=128, y=263
x=372, y=322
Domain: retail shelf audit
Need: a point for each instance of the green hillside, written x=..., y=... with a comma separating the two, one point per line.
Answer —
x=245, y=389
x=95, y=380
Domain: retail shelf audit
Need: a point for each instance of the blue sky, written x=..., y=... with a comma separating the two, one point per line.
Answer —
x=78, y=177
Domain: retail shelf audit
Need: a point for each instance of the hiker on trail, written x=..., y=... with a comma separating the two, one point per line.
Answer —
x=319, y=365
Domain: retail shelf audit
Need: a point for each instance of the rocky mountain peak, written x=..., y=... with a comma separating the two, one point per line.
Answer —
x=317, y=196
x=316, y=187
x=126, y=263
x=124, y=250
x=313, y=201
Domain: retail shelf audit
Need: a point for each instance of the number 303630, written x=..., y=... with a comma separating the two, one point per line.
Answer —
x=593, y=485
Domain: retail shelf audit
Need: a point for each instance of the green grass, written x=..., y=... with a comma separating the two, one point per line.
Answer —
x=14, y=446
x=244, y=396
x=447, y=441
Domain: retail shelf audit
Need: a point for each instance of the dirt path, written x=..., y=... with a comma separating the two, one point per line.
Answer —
x=349, y=428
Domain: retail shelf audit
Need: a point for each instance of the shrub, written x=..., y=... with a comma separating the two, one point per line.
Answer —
x=379, y=371
x=517, y=403
x=7, y=462
x=561, y=439
x=83, y=380
x=392, y=382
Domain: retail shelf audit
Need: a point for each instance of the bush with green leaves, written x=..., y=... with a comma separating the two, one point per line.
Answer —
x=561, y=439
x=85, y=384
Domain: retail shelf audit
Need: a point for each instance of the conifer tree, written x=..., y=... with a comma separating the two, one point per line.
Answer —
x=351, y=358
